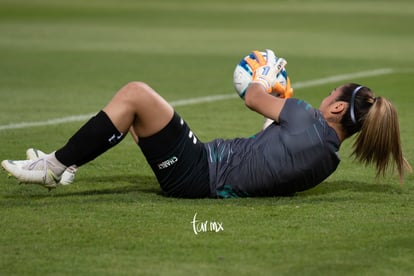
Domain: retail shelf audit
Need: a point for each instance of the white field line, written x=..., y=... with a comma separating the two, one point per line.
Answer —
x=213, y=98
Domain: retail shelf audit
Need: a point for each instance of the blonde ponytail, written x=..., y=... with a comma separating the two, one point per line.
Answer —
x=378, y=141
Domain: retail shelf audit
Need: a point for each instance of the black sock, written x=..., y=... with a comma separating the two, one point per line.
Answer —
x=94, y=138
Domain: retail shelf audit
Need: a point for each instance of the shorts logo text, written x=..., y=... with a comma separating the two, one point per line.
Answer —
x=165, y=164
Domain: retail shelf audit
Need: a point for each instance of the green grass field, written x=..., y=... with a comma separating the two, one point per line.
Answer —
x=61, y=58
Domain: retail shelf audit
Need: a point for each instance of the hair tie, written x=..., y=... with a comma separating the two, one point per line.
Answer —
x=352, y=108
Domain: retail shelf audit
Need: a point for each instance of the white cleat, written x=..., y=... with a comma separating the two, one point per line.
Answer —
x=32, y=154
x=68, y=175
x=32, y=172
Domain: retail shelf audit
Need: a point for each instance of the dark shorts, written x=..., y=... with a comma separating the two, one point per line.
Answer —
x=178, y=159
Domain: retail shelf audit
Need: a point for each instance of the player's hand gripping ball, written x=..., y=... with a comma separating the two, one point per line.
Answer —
x=245, y=69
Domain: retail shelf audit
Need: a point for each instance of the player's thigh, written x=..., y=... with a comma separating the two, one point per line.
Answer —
x=138, y=106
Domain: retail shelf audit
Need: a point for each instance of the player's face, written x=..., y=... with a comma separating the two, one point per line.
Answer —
x=328, y=101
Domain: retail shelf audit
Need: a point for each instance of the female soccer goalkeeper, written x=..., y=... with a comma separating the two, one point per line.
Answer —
x=298, y=151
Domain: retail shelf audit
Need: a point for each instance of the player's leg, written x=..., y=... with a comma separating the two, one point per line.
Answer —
x=139, y=106
x=135, y=105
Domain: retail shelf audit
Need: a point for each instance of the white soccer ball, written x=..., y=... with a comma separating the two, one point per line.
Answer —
x=243, y=74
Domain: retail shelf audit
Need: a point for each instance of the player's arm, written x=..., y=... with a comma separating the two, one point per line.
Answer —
x=264, y=82
x=257, y=99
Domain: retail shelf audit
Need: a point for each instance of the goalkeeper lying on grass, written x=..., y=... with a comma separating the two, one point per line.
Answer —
x=296, y=152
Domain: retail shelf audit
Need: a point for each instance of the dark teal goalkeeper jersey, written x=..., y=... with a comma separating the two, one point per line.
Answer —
x=293, y=155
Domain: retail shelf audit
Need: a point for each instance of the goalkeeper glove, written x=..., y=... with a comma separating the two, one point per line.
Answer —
x=266, y=70
x=281, y=91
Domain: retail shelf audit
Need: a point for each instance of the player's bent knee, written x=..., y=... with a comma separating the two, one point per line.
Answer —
x=137, y=87
x=135, y=90
x=142, y=97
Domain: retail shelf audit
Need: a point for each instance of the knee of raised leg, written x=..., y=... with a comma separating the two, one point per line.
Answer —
x=137, y=86
x=134, y=88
